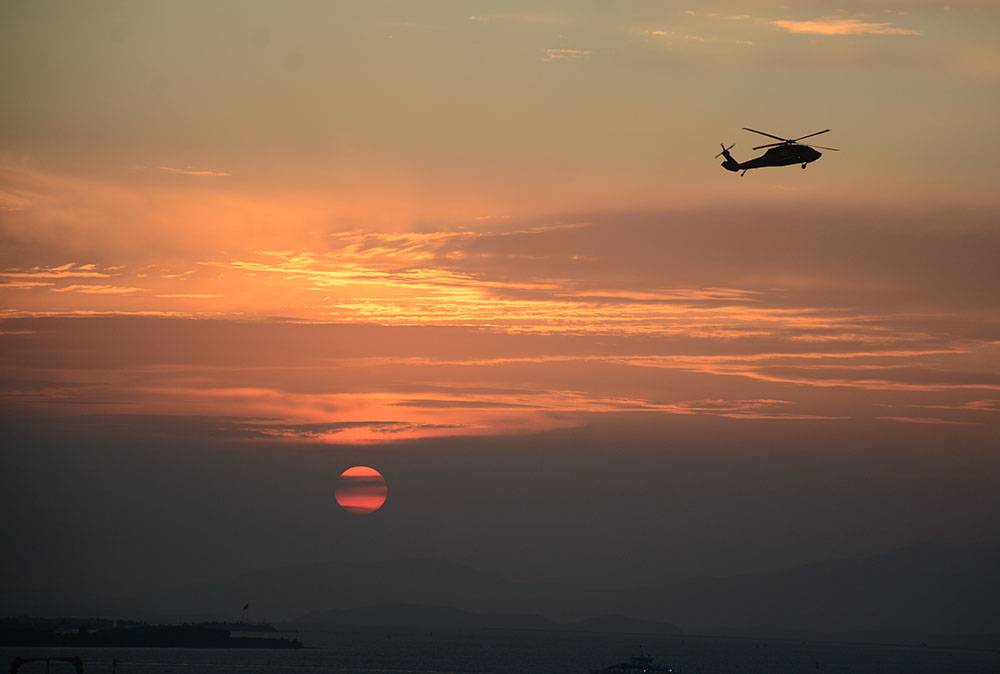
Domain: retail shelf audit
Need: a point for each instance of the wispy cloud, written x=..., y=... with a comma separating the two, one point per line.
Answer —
x=824, y=25
x=68, y=270
x=834, y=25
x=428, y=293
x=194, y=171
x=342, y=431
x=25, y=285
x=98, y=289
x=930, y=421
x=671, y=316
x=670, y=36
x=373, y=414
x=297, y=383
x=519, y=17
x=900, y=370
x=554, y=54
x=677, y=36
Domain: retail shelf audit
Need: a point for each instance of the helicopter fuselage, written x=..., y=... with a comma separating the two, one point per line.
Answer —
x=782, y=155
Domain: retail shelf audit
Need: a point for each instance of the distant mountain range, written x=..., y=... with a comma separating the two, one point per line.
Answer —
x=936, y=589
x=446, y=618
x=929, y=589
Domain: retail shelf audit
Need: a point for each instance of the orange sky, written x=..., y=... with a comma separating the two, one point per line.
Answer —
x=535, y=184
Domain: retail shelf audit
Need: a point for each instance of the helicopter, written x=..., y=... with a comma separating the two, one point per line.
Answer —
x=785, y=153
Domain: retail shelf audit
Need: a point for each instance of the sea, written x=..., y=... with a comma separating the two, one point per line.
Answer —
x=510, y=651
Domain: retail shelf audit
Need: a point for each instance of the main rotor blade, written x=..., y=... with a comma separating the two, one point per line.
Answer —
x=769, y=135
x=769, y=145
x=811, y=135
x=821, y=147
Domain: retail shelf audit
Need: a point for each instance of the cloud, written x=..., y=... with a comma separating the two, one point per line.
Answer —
x=899, y=370
x=565, y=55
x=536, y=18
x=98, y=289
x=456, y=403
x=896, y=370
x=677, y=36
x=26, y=285
x=833, y=25
x=426, y=293
x=745, y=409
x=988, y=405
x=364, y=384
x=647, y=315
x=665, y=276
x=839, y=25
x=670, y=36
x=279, y=414
x=68, y=270
x=930, y=421
x=264, y=429
x=194, y=172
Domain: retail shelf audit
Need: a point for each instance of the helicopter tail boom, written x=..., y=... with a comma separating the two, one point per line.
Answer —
x=729, y=164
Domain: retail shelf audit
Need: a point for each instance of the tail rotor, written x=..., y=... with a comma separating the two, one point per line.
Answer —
x=724, y=150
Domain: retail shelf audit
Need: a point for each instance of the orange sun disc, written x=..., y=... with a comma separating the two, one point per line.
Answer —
x=361, y=490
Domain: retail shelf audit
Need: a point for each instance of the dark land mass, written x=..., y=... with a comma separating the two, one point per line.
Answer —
x=99, y=633
x=918, y=591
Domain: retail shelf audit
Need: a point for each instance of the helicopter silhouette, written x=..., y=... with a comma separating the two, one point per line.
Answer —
x=789, y=151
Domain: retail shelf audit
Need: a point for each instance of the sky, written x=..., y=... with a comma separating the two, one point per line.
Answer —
x=484, y=248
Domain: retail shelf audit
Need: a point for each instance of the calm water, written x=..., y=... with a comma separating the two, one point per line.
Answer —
x=503, y=652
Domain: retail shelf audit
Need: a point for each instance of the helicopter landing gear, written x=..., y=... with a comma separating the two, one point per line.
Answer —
x=804, y=165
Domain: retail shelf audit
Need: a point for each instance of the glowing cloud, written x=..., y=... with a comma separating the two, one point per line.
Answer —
x=831, y=25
